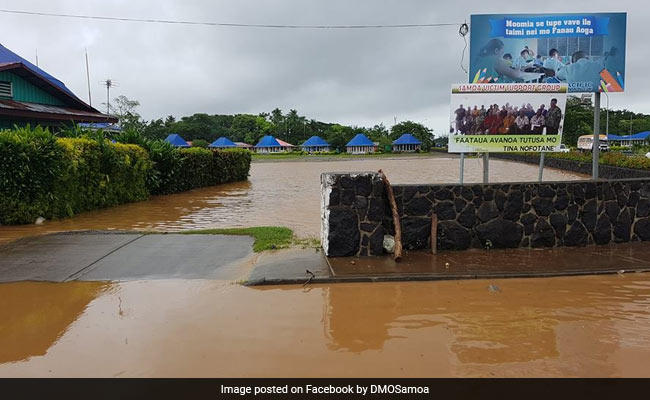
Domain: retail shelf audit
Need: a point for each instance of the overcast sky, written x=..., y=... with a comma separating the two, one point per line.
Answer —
x=357, y=77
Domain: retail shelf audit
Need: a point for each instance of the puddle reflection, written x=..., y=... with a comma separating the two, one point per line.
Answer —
x=33, y=316
x=570, y=326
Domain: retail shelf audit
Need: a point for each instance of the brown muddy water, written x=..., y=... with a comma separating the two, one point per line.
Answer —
x=568, y=326
x=277, y=193
x=580, y=326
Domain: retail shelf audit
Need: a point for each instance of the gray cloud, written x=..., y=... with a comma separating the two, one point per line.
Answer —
x=358, y=77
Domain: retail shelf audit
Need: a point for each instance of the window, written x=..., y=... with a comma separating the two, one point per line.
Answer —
x=5, y=89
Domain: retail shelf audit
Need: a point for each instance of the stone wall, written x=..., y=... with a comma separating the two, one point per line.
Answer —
x=352, y=214
x=509, y=215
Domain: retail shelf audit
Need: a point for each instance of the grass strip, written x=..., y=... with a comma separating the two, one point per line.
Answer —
x=266, y=237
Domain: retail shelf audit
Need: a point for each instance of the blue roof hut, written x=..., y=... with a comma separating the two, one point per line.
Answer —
x=176, y=140
x=268, y=144
x=223, y=143
x=360, y=144
x=406, y=143
x=315, y=144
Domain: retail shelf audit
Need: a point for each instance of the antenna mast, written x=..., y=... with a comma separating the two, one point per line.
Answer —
x=109, y=83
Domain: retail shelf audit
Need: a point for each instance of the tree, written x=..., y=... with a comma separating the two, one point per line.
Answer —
x=441, y=141
x=378, y=132
x=203, y=126
x=250, y=128
x=155, y=130
x=124, y=110
x=424, y=134
x=577, y=120
x=338, y=136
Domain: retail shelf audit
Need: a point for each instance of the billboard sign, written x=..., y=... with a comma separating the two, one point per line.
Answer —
x=506, y=118
x=586, y=51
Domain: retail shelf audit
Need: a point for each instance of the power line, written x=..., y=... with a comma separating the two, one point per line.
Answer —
x=223, y=24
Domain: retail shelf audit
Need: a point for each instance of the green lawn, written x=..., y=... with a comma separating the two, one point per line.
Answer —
x=266, y=237
x=285, y=156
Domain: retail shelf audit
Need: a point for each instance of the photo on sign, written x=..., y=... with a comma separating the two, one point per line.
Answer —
x=586, y=51
x=506, y=122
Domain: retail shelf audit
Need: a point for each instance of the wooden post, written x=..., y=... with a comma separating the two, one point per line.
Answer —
x=398, y=227
x=434, y=234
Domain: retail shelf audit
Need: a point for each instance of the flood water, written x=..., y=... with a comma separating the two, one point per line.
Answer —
x=593, y=326
x=580, y=326
x=277, y=193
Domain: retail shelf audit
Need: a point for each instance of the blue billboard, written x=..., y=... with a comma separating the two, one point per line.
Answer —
x=585, y=51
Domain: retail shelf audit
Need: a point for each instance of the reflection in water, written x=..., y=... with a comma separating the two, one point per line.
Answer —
x=569, y=326
x=613, y=257
x=516, y=325
x=285, y=193
x=485, y=331
x=504, y=336
x=33, y=316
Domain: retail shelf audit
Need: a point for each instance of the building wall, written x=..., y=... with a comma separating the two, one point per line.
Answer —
x=25, y=91
x=360, y=149
x=548, y=214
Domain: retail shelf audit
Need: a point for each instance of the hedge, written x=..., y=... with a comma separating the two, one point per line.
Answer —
x=613, y=158
x=42, y=176
x=45, y=176
x=179, y=170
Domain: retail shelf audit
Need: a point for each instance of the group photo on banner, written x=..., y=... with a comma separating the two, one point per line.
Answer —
x=585, y=51
x=506, y=117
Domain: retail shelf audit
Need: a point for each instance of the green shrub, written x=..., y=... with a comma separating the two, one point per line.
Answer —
x=185, y=169
x=163, y=178
x=42, y=176
x=612, y=158
x=130, y=136
x=126, y=168
x=78, y=188
x=200, y=143
x=31, y=161
x=45, y=176
x=195, y=168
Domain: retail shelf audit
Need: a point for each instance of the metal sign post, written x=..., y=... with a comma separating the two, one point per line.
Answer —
x=462, y=168
x=486, y=168
x=542, y=156
x=595, y=149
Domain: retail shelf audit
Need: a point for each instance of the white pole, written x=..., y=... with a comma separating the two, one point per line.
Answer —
x=542, y=156
x=462, y=168
x=486, y=168
x=90, y=100
x=596, y=146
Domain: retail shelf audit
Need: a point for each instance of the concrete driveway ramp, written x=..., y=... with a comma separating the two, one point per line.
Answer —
x=56, y=257
x=172, y=256
x=113, y=257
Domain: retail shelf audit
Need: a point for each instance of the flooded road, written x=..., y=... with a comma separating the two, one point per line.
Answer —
x=592, y=326
x=277, y=193
x=579, y=326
